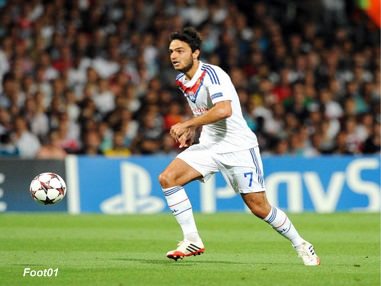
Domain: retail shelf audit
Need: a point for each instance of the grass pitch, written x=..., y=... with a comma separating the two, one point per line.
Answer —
x=240, y=250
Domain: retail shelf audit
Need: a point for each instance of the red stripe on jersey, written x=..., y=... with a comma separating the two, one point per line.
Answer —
x=192, y=90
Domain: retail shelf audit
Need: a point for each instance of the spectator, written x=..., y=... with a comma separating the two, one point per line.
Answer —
x=26, y=142
x=36, y=117
x=5, y=121
x=7, y=147
x=373, y=143
x=103, y=97
x=52, y=148
x=168, y=146
x=119, y=148
x=149, y=133
x=173, y=115
x=91, y=143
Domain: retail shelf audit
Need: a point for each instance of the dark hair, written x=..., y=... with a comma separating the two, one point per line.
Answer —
x=188, y=35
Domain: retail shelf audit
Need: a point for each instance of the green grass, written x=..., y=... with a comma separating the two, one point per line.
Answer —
x=240, y=250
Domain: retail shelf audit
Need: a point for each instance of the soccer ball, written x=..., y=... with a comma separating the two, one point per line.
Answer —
x=48, y=188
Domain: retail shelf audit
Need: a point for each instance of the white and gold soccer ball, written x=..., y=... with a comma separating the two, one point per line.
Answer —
x=48, y=188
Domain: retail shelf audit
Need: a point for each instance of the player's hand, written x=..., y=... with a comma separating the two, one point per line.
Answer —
x=178, y=130
x=187, y=138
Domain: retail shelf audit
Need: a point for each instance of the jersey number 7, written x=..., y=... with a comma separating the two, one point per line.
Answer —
x=250, y=175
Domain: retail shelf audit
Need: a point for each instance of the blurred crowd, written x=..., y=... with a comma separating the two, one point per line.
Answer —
x=93, y=77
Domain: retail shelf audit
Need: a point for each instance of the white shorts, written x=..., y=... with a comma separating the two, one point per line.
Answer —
x=242, y=170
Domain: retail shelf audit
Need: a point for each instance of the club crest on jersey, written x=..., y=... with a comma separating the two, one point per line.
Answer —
x=192, y=97
x=192, y=91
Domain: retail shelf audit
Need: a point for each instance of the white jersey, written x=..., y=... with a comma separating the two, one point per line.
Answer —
x=209, y=85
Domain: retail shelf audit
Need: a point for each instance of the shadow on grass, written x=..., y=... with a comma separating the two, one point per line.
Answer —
x=179, y=262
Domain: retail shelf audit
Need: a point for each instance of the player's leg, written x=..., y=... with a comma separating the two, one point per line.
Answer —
x=172, y=180
x=259, y=206
x=248, y=180
x=190, y=165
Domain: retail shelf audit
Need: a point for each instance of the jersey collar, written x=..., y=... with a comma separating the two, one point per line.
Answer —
x=195, y=77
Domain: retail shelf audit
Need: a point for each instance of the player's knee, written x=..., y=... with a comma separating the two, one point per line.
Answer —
x=166, y=180
x=259, y=208
x=258, y=211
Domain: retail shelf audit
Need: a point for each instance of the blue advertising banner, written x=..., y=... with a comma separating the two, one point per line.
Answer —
x=296, y=184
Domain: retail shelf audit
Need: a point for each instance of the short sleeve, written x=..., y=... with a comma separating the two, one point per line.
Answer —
x=216, y=88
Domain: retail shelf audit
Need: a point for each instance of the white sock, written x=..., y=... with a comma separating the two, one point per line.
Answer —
x=282, y=224
x=181, y=208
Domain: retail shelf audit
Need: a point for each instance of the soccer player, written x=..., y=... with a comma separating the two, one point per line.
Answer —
x=226, y=144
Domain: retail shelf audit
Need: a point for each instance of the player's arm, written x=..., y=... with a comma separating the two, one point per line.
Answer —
x=219, y=111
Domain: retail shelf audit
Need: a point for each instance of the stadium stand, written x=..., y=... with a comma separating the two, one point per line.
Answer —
x=75, y=74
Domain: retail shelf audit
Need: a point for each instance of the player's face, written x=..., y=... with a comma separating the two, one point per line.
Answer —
x=181, y=55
